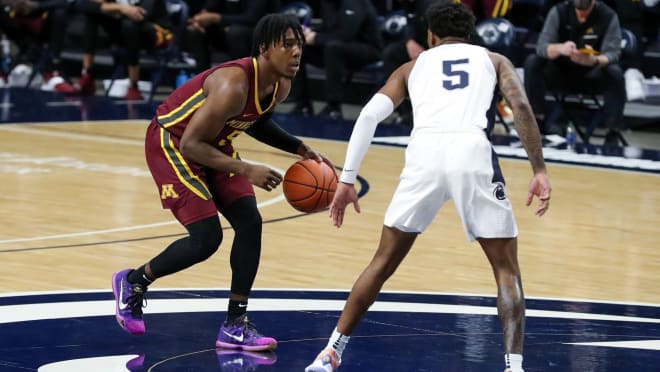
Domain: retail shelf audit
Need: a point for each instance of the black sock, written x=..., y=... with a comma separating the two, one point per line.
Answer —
x=236, y=309
x=139, y=276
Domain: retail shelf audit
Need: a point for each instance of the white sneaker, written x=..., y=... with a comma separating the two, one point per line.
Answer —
x=326, y=361
x=634, y=85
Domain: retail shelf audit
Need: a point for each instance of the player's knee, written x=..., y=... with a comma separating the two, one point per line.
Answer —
x=249, y=225
x=205, y=238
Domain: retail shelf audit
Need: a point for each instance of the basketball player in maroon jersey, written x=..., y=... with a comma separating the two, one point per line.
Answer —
x=198, y=173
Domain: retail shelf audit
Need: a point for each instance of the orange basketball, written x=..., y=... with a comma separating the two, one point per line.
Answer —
x=309, y=186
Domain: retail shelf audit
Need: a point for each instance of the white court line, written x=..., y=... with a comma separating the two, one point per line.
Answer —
x=74, y=136
x=103, y=139
x=79, y=309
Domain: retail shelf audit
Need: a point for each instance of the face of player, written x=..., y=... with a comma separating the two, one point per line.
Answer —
x=285, y=55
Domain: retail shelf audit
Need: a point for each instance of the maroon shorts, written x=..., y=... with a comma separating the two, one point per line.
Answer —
x=191, y=191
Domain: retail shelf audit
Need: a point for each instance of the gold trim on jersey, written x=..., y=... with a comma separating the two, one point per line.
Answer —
x=183, y=110
x=181, y=167
x=256, y=90
x=501, y=8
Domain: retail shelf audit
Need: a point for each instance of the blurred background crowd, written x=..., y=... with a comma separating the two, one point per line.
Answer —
x=608, y=50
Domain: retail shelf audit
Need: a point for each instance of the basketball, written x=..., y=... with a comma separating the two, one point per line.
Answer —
x=309, y=186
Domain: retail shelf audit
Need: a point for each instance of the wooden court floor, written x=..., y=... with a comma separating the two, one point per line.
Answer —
x=78, y=203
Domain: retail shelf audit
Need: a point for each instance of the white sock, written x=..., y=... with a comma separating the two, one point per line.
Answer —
x=513, y=362
x=338, y=342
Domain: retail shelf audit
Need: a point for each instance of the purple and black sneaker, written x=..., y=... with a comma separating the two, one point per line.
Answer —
x=240, y=334
x=129, y=300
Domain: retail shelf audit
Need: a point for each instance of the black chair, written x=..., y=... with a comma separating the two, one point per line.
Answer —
x=300, y=10
x=498, y=35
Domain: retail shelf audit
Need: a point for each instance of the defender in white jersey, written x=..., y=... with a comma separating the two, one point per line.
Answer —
x=452, y=88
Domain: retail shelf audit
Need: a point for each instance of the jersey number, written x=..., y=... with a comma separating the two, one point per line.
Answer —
x=459, y=78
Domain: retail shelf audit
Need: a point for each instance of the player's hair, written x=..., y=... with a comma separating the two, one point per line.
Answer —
x=272, y=28
x=450, y=19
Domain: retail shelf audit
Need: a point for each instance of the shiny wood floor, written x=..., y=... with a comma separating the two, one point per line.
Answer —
x=77, y=203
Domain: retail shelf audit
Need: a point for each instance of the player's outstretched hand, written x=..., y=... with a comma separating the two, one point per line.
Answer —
x=539, y=186
x=344, y=195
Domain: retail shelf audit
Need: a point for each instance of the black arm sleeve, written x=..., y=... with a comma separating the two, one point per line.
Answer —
x=267, y=131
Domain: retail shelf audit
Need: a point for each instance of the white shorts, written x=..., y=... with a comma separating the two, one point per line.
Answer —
x=459, y=166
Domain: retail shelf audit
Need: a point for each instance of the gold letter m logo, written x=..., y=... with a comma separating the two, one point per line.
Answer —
x=167, y=191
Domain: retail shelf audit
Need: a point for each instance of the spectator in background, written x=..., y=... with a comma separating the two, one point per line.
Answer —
x=226, y=26
x=349, y=38
x=25, y=21
x=408, y=47
x=134, y=27
x=578, y=50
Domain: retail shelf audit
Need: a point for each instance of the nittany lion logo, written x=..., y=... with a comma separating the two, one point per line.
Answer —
x=498, y=191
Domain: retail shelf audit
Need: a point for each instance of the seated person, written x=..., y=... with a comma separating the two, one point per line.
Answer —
x=133, y=27
x=25, y=21
x=349, y=38
x=227, y=27
x=578, y=50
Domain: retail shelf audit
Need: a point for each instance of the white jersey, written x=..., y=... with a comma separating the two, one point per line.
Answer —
x=449, y=157
x=451, y=88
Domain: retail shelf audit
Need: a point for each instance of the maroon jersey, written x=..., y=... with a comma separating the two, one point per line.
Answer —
x=192, y=191
x=175, y=112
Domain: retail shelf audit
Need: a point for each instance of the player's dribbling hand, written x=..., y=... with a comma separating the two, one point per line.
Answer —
x=344, y=195
x=263, y=177
x=309, y=153
x=539, y=186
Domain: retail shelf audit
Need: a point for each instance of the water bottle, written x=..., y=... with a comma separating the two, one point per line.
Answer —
x=6, y=54
x=181, y=78
x=571, y=137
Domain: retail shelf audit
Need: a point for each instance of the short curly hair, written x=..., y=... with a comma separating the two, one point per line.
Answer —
x=450, y=19
x=272, y=28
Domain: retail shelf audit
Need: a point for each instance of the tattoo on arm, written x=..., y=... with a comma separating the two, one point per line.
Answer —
x=526, y=126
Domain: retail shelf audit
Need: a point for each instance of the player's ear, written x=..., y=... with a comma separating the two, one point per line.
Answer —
x=429, y=38
x=263, y=50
